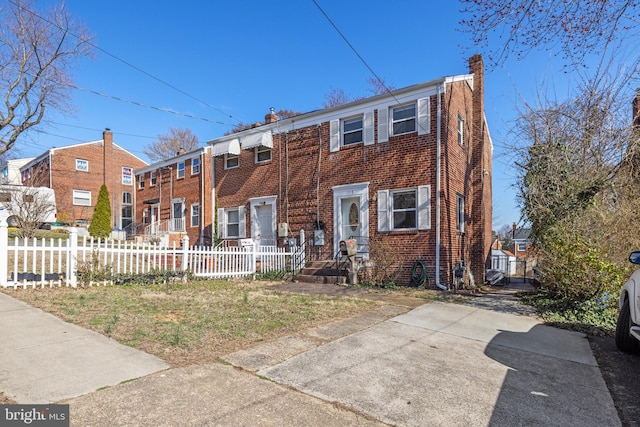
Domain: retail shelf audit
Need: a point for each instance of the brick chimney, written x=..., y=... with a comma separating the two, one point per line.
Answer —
x=107, y=151
x=481, y=173
x=272, y=117
x=180, y=151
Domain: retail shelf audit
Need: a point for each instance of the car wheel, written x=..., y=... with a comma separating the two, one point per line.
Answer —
x=624, y=340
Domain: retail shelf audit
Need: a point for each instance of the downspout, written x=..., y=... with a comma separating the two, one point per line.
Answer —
x=438, y=185
x=201, y=205
x=214, y=212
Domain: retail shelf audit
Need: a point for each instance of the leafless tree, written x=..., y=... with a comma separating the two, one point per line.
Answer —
x=37, y=51
x=167, y=145
x=578, y=27
x=27, y=207
x=338, y=96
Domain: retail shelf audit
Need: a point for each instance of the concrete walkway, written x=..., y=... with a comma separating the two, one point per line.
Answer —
x=437, y=364
x=44, y=359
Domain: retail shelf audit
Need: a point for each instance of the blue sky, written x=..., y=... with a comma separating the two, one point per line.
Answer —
x=231, y=61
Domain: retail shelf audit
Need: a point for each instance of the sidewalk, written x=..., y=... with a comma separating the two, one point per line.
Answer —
x=437, y=364
x=44, y=359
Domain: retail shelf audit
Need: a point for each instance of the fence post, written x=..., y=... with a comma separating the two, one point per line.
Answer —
x=185, y=252
x=4, y=259
x=73, y=256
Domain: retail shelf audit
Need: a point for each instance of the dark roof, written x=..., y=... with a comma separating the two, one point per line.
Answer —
x=522, y=234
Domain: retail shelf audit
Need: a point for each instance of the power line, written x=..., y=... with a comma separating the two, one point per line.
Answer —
x=140, y=70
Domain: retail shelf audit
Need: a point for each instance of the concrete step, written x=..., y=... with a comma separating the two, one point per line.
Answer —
x=304, y=278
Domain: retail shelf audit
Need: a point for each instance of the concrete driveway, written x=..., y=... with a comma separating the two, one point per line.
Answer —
x=447, y=364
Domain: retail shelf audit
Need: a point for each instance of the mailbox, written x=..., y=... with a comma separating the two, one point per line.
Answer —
x=349, y=247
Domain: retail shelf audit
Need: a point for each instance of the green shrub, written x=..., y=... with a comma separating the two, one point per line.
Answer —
x=100, y=226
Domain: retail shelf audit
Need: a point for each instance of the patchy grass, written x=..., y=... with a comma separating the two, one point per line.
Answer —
x=194, y=323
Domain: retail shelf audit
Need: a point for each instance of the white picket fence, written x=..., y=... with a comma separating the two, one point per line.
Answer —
x=56, y=262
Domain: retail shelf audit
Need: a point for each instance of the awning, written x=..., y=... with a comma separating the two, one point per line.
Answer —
x=226, y=147
x=151, y=202
x=256, y=140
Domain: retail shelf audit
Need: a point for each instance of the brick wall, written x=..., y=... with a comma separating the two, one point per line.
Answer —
x=105, y=162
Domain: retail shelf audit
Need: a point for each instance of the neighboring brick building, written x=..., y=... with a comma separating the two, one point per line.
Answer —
x=174, y=198
x=412, y=168
x=76, y=173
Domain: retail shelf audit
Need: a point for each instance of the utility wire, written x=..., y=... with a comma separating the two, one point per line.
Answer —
x=360, y=56
x=140, y=70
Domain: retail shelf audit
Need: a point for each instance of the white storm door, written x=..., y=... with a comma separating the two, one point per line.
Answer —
x=351, y=215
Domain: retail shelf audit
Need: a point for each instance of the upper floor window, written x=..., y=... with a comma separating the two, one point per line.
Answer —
x=352, y=131
x=522, y=247
x=460, y=213
x=231, y=161
x=82, y=165
x=180, y=173
x=403, y=119
x=127, y=176
x=460, y=129
x=195, y=166
x=152, y=179
x=263, y=154
x=141, y=181
x=82, y=198
x=126, y=198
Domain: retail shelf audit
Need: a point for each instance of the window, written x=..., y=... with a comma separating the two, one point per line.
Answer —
x=152, y=179
x=352, y=131
x=82, y=165
x=522, y=247
x=460, y=213
x=81, y=198
x=263, y=154
x=141, y=181
x=126, y=198
x=231, y=161
x=403, y=119
x=404, y=209
x=127, y=176
x=233, y=223
x=460, y=130
x=5, y=171
x=195, y=166
x=195, y=215
x=180, y=173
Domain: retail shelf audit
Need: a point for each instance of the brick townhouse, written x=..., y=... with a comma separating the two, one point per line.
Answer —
x=412, y=168
x=76, y=173
x=174, y=198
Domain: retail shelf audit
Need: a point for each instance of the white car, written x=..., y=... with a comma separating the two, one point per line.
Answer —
x=628, y=327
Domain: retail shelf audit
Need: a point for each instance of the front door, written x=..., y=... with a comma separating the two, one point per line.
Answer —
x=264, y=234
x=177, y=223
x=351, y=215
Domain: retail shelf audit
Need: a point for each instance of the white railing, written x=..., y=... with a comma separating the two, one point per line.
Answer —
x=177, y=224
x=57, y=262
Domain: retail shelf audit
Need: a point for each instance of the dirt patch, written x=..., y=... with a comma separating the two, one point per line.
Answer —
x=621, y=372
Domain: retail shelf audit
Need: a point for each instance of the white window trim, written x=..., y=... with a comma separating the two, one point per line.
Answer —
x=191, y=216
x=222, y=223
x=226, y=161
x=521, y=245
x=195, y=159
x=80, y=161
x=78, y=194
x=180, y=171
x=141, y=182
x=423, y=208
x=152, y=179
x=127, y=179
x=392, y=121
x=361, y=129
x=129, y=203
x=460, y=129
x=263, y=149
